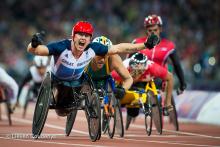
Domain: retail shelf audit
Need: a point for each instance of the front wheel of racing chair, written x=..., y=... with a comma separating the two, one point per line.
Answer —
x=148, y=115
x=109, y=111
x=70, y=122
x=112, y=116
x=92, y=107
x=119, y=120
x=173, y=115
x=156, y=113
x=42, y=106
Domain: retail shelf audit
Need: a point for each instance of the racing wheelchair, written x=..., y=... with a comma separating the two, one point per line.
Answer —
x=84, y=97
x=112, y=121
x=147, y=99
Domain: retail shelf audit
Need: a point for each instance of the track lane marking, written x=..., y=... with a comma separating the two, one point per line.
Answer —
x=49, y=142
x=127, y=139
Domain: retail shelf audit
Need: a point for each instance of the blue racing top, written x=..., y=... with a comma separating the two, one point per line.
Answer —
x=65, y=66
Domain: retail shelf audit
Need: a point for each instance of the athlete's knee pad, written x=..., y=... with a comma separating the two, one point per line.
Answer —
x=133, y=112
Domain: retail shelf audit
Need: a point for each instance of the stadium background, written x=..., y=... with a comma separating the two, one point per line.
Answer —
x=193, y=25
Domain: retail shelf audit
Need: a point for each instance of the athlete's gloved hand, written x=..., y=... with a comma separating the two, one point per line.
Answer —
x=181, y=89
x=37, y=39
x=119, y=92
x=183, y=86
x=151, y=41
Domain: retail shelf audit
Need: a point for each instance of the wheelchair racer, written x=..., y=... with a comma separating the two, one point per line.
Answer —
x=71, y=56
x=143, y=70
x=164, y=50
x=32, y=80
x=100, y=68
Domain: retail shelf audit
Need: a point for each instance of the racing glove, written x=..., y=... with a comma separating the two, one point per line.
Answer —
x=181, y=89
x=119, y=92
x=37, y=39
x=183, y=86
x=151, y=41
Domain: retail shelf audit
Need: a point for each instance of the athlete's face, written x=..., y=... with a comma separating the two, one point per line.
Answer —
x=81, y=41
x=155, y=29
x=99, y=61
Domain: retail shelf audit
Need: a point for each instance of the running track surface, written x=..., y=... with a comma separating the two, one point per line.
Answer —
x=19, y=134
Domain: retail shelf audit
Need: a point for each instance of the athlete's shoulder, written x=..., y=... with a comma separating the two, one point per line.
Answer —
x=167, y=43
x=65, y=43
x=59, y=46
x=139, y=40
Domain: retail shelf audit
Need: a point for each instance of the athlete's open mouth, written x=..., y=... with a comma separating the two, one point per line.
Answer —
x=81, y=43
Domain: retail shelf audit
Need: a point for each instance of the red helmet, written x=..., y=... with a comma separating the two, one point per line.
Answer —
x=152, y=20
x=84, y=27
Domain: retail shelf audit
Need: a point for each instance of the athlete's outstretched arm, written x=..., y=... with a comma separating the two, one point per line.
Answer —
x=130, y=48
x=117, y=65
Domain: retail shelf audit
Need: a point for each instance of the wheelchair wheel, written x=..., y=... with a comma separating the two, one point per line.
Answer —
x=42, y=107
x=93, y=109
x=94, y=121
x=112, y=115
x=148, y=121
x=173, y=116
x=70, y=122
x=156, y=113
x=104, y=122
x=119, y=128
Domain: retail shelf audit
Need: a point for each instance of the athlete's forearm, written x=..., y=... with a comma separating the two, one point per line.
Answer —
x=177, y=67
x=127, y=83
x=41, y=50
x=169, y=79
x=126, y=48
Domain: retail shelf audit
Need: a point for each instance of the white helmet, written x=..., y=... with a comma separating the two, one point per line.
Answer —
x=103, y=40
x=41, y=61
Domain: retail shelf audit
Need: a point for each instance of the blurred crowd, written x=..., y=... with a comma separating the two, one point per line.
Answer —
x=192, y=25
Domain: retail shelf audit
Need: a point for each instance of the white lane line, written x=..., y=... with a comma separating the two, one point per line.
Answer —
x=139, y=126
x=49, y=126
x=193, y=134
x=179, y=132
x=58, y=143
